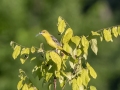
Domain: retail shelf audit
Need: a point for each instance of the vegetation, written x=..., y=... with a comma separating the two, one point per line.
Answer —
x=55, y=65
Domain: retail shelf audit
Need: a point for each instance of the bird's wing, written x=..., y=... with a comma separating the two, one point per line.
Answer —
x=55, y=40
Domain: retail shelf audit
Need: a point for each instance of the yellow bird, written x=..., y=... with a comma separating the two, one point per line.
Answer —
x=51, y=40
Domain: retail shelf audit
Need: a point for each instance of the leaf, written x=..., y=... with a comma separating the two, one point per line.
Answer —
x=25, y=87
x=114, y=31
x=12, y=44
x=76, y=40
x=48, y=76
x=56, y=59
x=33, y=58
x=62, y=81
x=16, y=51
x=67, y=48
x=92, y=71
x=32, y=49
x=79, y=81
x=20, y=84
x=22, y=60
x=67, y=36
x=119, y=30
x=74, y=85
x=61, y=25
x=85, y=44
x=85, y=77
x=95, y=33
x=94, y=47
x=93, y=88
x=25, y=51
x=107, y=35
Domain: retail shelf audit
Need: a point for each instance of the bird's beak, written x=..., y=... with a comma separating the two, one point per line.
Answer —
x=38, y=34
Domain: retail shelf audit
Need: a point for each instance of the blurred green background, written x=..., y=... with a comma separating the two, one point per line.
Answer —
x=21, y=20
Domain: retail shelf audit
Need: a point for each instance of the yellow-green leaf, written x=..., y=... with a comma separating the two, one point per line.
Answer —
x=74, y=85
x=92, y=71
x=32, y=49
x=67, y=48
x=56, y=59
x=95, y=33
x=76, y=40
x=25, y=87
x=119, y=30
x=61, y=25
x=84, y=41
x=115, y=31
x=48, y=76
x=20, y=84
x=85, y=77
x=33, y=58
x=16, y=51
x=94, y=47
x=79, y=81
x=25, y=51
x=67, y=36
x=107, y=35
x=93, y=88
x=22, y=60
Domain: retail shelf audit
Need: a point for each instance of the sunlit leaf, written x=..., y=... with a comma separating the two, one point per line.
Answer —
x=95, y=33
x=115, y=31
x=25, y=51
x=92, y=71
x=47, y=54
x=79, y=81
x=20, y=84
x=67, y=36
x=107, y=35
x=94, y=47
x=85, y=77
x=12, y=44
x=76, y=40
x=56, y=59
x=16, y=51
x=32, y=49
x=67, y=48
x=72, y=64
x=62, y=81
x=33, y=58
x=48, y=76
x=93, y=88
x=74, y=85
x=25, y=87
x=22, y=60
x=61, y=25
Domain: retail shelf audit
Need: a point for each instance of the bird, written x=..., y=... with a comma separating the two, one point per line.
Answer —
x=51, y=40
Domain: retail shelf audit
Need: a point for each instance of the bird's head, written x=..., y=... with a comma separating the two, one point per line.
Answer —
x=44, y=33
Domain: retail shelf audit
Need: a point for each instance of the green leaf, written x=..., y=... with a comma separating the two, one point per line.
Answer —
x=67, y=36
x=95, y=33
x=20, y=84
x=25, y=87
x=93, y=88
x=92, y=71
x=115, y=31
x=56, y=59
x=61, y=25
x=76, y=40
x=62, y=81
x=16, y=51
x=85, y=77
x=32, y=49
x=107, y=35
x=94, y=47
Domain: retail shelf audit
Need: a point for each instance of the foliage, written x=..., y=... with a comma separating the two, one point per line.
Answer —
x=71, y=68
